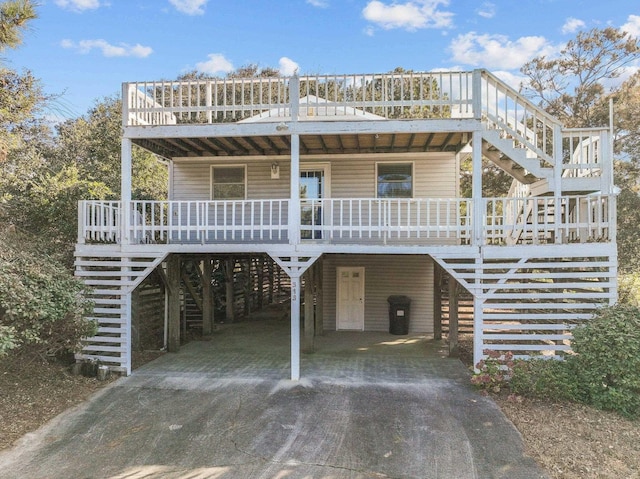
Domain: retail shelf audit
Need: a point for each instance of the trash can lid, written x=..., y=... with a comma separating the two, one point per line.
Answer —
x=399, y=299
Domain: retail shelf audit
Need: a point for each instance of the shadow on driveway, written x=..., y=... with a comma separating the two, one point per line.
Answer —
x=369, y=405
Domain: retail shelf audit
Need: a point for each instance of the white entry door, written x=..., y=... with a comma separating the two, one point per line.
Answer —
x=350, y=295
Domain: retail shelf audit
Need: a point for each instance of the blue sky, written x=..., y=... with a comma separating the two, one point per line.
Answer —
x=85, y=49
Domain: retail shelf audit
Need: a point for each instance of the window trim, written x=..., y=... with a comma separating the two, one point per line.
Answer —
x=396, y=162
x=211, y=183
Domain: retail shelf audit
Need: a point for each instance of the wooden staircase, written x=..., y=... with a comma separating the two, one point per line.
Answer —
x=112, y=276
x=192, y=308
x=465, y=307
x=519, y=162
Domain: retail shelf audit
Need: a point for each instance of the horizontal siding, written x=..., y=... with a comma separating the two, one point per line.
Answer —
x=384, y=275
x=351, y=176
x=191, y=179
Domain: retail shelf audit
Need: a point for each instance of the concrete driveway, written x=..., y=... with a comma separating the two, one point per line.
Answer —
x=369, y=405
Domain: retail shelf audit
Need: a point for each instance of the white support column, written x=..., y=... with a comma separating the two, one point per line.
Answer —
x=295, y=267
x=478, y=320
x=557, y=184
x=295, y=328
x=294, y=200
x=476, y=91
x=126, y=297
x=476, y=189
x=125, y=190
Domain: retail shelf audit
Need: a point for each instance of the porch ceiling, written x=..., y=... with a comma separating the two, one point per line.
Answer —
x=309, y=144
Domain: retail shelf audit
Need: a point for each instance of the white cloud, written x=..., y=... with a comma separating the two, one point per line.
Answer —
x=190, y=7
x=572, y=25
x=216, y=64
x=318, y=3
x=632, y=27
x=497, y=51
x=78, y=5
x=510, y=79
x=409, y=15
x=108, y=50
x=487, y=10
x=287, y=66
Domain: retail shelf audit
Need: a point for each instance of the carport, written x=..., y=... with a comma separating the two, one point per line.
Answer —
x=369, y=405
x=260, y=349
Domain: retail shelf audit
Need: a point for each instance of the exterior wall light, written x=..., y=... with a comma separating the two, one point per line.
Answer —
x=275, y=171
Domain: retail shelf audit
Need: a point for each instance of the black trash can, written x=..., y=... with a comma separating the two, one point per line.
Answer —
x=399, y=314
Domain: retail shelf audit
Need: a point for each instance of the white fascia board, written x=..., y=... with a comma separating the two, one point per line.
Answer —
x=303, y=128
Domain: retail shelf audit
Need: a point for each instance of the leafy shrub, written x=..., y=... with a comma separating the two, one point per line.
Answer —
x=493, y=373
x=607, y=360
x=544, y=379
x=604, y=372
x=42, y=306
x=629, y=289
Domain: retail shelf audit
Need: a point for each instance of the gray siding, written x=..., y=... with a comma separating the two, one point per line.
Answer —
x=385, y=275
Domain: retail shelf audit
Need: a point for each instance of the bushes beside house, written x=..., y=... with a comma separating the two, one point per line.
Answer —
x=42, y=306
x=604, y=372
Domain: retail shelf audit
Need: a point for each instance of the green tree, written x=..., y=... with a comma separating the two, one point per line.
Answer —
x=571, y=86
x=91, y=144
x=15, y=15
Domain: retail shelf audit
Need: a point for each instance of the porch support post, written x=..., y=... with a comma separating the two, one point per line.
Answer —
x=207, y=297
x=309, y=318
x=295, y=266
x=126, y=307
x=437, y=301
x=453, y=317
x=319, y=297
x=173, y=293
x=229, y=265
x=476, y=188
x=295, y=327
x=125, y=190
x=294, y=200
x=478, y=320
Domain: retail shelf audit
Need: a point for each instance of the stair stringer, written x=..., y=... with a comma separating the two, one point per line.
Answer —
x=111, y=275
x=528, y=162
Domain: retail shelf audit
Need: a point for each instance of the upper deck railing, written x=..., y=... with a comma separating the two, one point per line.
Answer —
x=407, y=95
x=221, y=100
x=357, y=221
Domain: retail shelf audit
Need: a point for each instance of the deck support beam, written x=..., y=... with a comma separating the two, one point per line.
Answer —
x=453, y=317
x=173, y=323
x=309, y=317
x=319, y=278
x=295, y=267
x=207, y=297
x=125, y=188
x=437, y=301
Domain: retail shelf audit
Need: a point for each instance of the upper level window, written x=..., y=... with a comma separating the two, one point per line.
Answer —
x=395, y=180
x=228, y=183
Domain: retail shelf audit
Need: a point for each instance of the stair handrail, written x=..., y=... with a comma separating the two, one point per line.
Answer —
x=517, y=209
x=538, y=137
x=585, y=153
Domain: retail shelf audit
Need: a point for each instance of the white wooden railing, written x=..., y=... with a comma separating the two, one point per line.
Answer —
x=389, y=95
x=529, y=126
x=445, y=221
x=584, y=153
x=386, y=220
x=546, y=219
